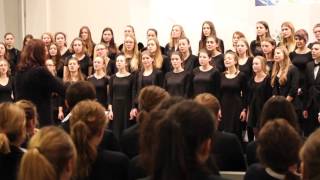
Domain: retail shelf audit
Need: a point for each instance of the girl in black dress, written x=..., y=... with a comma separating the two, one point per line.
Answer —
x=61, y=40
x=51, y=155
x=177, y=82
x=131, y=52
x=177, y=32
x=233, y=96
x=245, y=57
x=268, y=45
x=13, y=53
x=12, y=135
x=287, y=36
x=85, y=35
x=217, y=57
x=80, y=53
x=235, y=38
x=259, y=92
x=6, y=82
x=54, y=54
x=205, y=78
x=208, y=29
x=300, y=58
x=190, y=61
x=101, y=50
x=121, y=95
x=100, y=81
x=285, y=76
x=263, y=32
x=107, y=38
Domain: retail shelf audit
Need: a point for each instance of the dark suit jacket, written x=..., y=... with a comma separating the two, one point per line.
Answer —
x=228, y=153
x=312, y=87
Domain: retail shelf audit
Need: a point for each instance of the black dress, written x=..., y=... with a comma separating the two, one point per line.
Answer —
x=109, y=165
x=258, y=94
x=247, y=68
x=255, y=48
x=190, y=63
x=218, y=62
x=178, y=84
x=233, y=100
x=37, y=84
x=121, y=94
x=290, y=88
x=155, y=78
x=6, y=91
x=9, y=163
x=14, y=57
x=208, y=82
x=101, y=86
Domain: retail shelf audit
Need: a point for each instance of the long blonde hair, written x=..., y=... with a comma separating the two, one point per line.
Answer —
x=67, y=74
x=290, y=42
x=12, y=126
x=88, y=120
x=283, y=69
x=49, y=153
x=134, y=56
x=157, y=56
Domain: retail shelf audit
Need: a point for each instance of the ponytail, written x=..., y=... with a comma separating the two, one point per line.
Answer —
x=4, y=144
x=81, y=134
x=35, y=165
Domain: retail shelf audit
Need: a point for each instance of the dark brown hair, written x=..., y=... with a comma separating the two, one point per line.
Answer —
x=33, y=55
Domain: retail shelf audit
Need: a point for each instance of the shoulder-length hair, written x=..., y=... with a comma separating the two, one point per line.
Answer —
x=33, y=55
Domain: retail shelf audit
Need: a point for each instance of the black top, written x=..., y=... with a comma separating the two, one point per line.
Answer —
x=258, y=94
x=168, y=50
x=208, y=81
x=312, y=88
x=177, y=84
x=255, y=48
x=109, y=165
x=111, y=67
x=290, y=88
x=190, y=63
x=129, y=141
x=251, y=152
x=218, y=62
x=227, y=152
x=6, y=91
x=13, y=59
x=37, y=84
x=300, y=61
x=101, y=86
x=9, y=163
x=155, y=78
x=247, y=68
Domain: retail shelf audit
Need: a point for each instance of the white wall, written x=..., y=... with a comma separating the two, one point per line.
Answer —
x=228, y=16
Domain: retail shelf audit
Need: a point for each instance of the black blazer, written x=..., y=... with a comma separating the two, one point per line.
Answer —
x=312, y=87
x=290, y=88
x=227, y=152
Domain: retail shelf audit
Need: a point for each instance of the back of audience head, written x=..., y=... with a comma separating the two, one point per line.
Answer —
x=12, y=127
x=31, y=115
x=182, y=141
x=309, y=156
x=278, y=147
x=147, y=130
x=87, y=122
x=51, y=155
x=79, y=91
x=149, y=97
x=279, y=107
